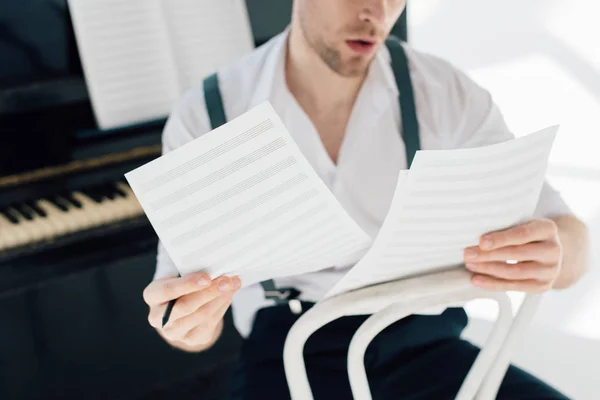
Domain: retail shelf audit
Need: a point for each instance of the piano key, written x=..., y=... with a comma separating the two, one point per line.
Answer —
x=120, y=203
x=67, y=212
x=10, y=217
x=19, y=231
x=5, y=238
x=119, y=191
x=73, y=214
x=109, y=191
x=34, y=206
x=132, y=205
x=73, y=201
x=61, y=221
x=108, y=209
x=8, y=237
x=14, y=234
x=37, y=228
x=81, y=218
x=93, y=193
x=95, y=213
x=24, y=211
x=60, y=203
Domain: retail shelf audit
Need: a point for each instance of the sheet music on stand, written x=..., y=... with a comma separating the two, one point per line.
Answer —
x=446, y=201
x=243, y=200
x=140, y=56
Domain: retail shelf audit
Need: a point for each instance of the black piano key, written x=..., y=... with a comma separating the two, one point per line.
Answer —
x=60, y=203
x=104, y=191
x=119, y=191
x=24, y=211
x=34, y=206
x=109, y=191
x=9, y=216
x=94, y=193
x=88, y=192
x=72, y=200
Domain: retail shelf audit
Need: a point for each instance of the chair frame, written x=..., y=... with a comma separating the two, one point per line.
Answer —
x=391, y=301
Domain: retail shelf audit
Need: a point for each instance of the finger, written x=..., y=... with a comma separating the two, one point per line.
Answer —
x=201, y=335
x=167, y=289
x=544, y=252
x=203, y=317
x=532, y=231
x=519, y=271
x=237, y=282
x=155, y=315
x=219, y=313
x=189, y=303
x=497, y=284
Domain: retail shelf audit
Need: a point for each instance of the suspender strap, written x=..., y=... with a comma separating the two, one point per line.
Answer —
x=216, y=114
x=408, y=111
x=214, y=102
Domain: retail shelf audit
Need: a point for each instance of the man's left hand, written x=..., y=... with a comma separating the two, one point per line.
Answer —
x=534, y=246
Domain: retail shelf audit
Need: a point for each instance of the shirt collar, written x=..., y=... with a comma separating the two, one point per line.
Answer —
x=272, y=74
x=271, y=80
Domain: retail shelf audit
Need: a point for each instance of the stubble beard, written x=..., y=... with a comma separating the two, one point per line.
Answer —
x=332, y=56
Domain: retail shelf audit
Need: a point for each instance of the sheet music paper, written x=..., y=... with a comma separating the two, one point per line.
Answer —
x=206, y=34
x=140, y=56
x=126, y=56
x=242, y=199
x=446, y=201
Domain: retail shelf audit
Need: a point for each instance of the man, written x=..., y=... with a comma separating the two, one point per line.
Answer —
x=329, y=78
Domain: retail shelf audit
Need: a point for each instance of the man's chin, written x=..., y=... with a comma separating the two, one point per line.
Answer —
x=355, y=67
x=344, y=64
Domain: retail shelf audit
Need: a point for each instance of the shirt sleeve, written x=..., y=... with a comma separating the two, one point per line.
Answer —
x=479, y=122
x=187, y=121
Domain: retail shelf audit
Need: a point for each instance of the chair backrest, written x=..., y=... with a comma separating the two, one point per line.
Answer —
x=392, y=301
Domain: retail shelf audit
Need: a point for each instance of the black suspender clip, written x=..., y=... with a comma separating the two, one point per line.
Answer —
x=283, y=295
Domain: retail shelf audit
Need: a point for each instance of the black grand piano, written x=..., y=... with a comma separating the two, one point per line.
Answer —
x=76, y=250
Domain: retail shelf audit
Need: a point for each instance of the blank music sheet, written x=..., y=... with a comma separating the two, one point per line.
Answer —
x=446, y=201
x=205, y=35
x=126, y=56
x=242, y=199
x=140, y=56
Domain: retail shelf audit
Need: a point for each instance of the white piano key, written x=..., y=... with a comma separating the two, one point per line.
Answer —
x=21, y=234
x=90, y=214
x=8, y=234
x=38, y=226
x=115, y=208
x=75, y=218
x=60, y=220
x=131, y=204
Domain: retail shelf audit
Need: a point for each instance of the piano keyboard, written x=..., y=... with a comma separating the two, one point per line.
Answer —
x=49, y=218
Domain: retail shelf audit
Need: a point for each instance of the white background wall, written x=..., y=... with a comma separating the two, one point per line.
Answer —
x=540, y=59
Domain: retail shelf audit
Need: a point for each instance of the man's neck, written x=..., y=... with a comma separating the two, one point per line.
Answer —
x=312, y=82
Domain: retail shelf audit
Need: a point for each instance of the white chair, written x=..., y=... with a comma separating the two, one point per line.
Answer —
x=391, y=301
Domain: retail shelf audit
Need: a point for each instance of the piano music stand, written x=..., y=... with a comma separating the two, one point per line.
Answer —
x=392, y=301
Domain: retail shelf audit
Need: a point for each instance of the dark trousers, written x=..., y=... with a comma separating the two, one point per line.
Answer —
x=419, y=357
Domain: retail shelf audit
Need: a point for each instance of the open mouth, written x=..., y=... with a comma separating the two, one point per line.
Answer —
x=360, y=46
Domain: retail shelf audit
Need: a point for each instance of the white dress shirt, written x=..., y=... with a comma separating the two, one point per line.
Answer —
x=453, y=112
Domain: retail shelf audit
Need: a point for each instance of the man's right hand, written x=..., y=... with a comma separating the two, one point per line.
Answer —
x=196, y=320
